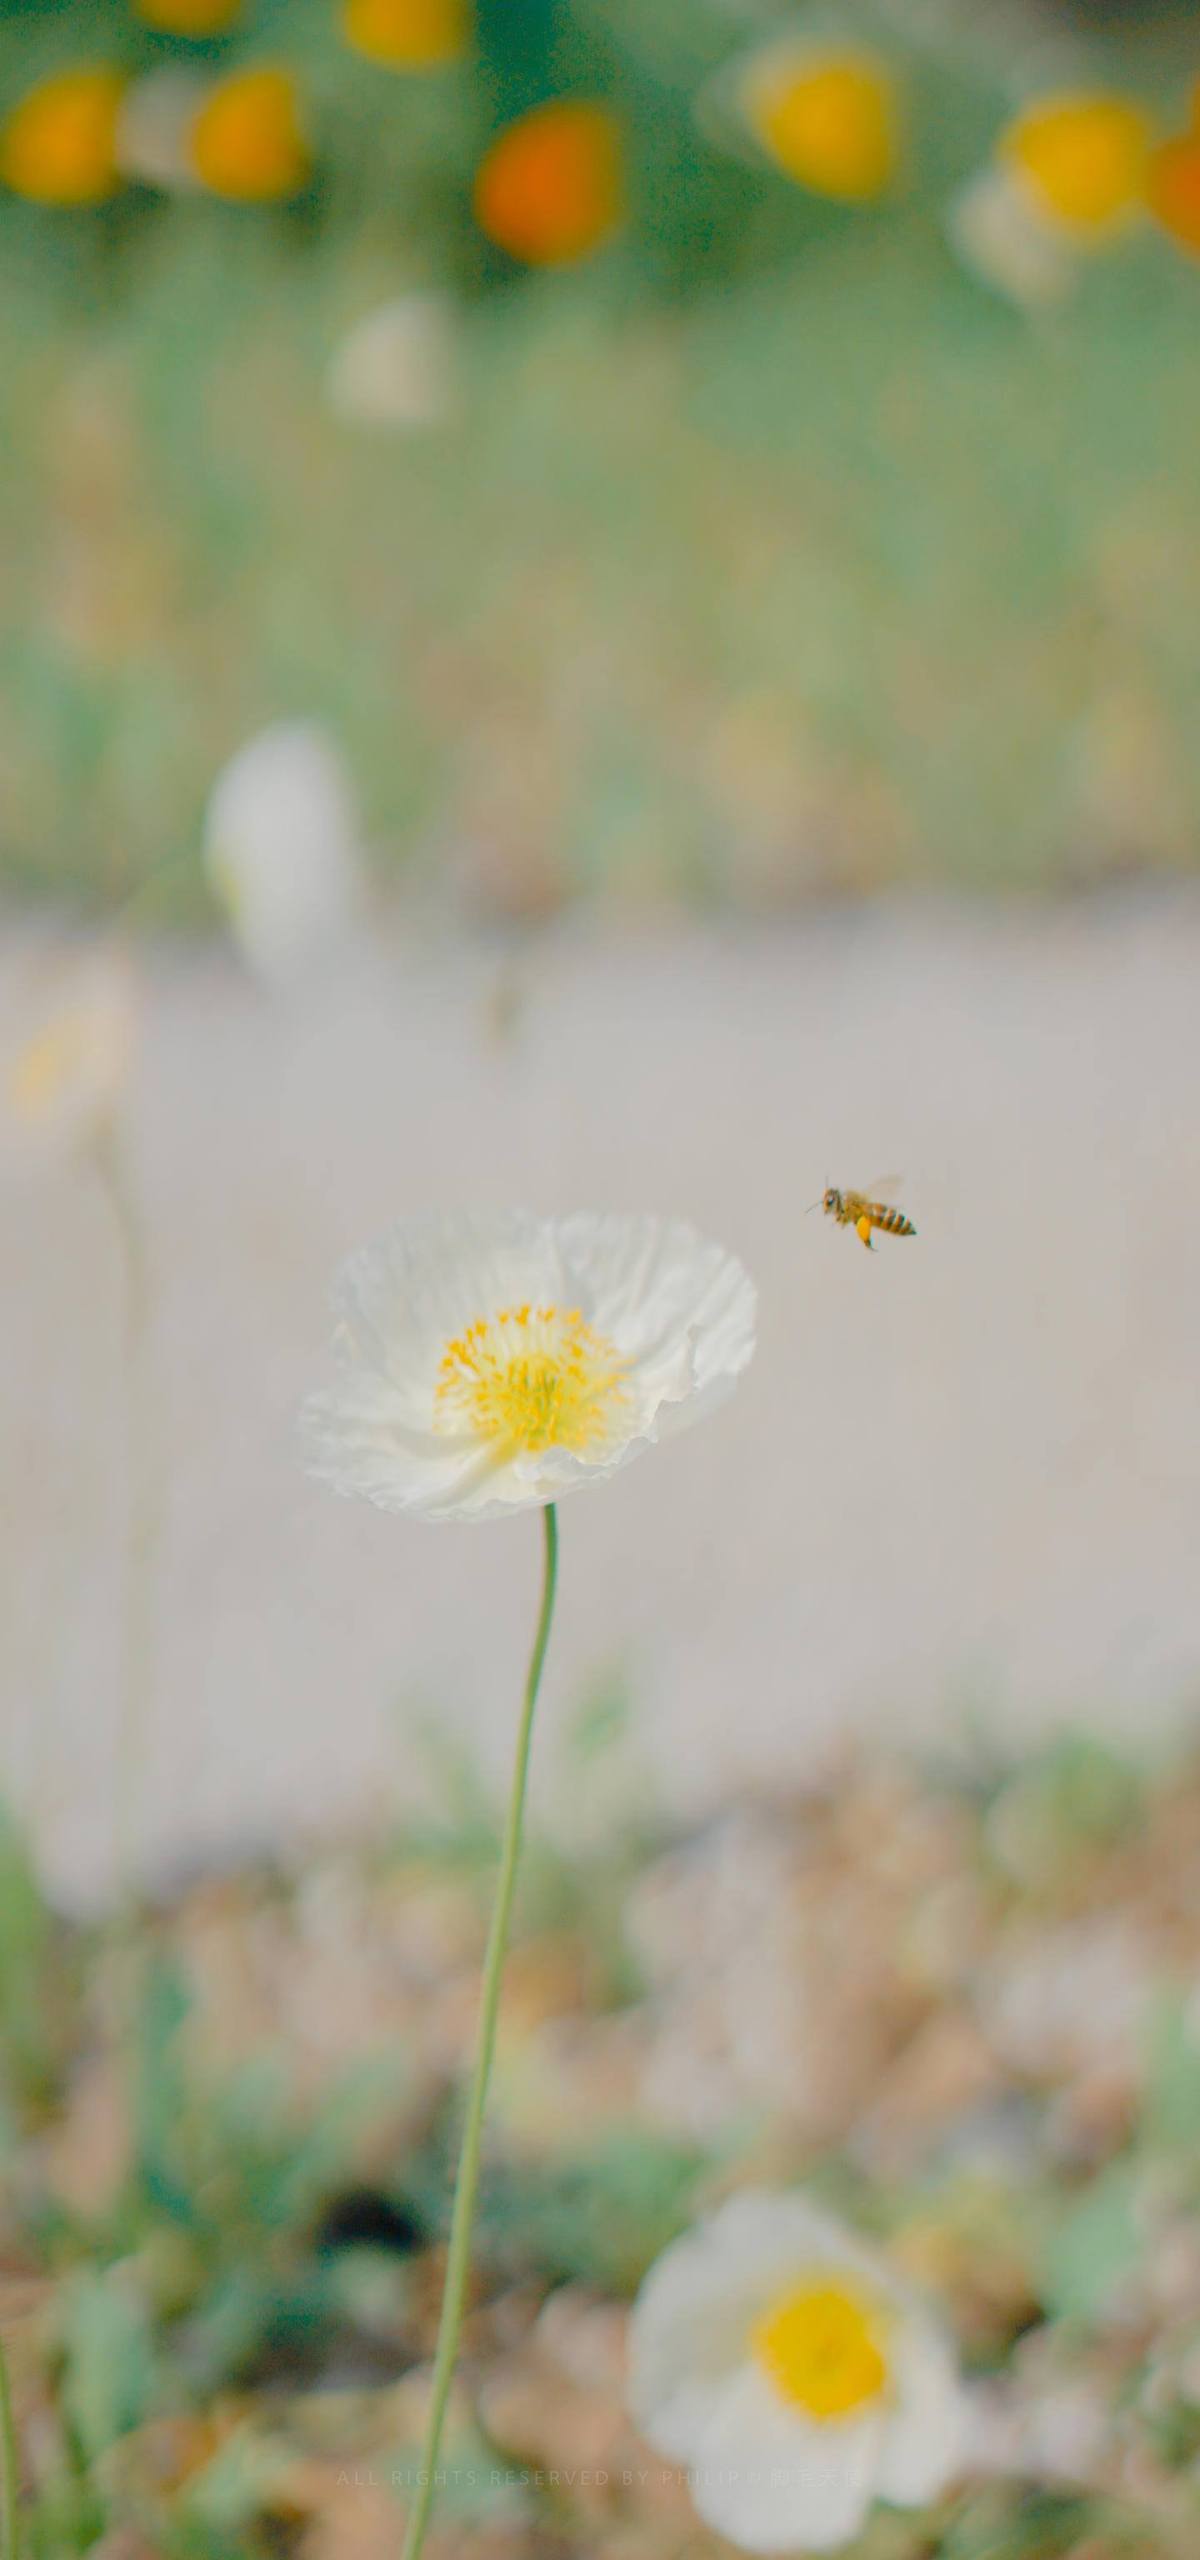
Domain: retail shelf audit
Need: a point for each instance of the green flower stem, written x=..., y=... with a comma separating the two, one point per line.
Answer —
x=459, y=2255
x=9, y=2545
x=142, y=1524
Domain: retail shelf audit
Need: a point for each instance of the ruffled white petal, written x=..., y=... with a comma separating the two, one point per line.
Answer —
x=771, y=2239
x=775, y=2481
x=678, y=1312
x=399, y=1300
x=689, y=2333
x=926, y=2431
x=788, y=2236
x=357, y=1439
x=681, y=1309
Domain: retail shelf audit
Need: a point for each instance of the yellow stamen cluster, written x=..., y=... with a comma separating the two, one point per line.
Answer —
x=820, y=2347
x=531, y=1378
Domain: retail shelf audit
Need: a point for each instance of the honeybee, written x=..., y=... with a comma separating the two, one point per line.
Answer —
x=858, y=1210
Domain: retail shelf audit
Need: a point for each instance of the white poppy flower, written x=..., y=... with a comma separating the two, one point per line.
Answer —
x=396, y=366
x=493, y=1362
x=794, y=2374
x=283, y=848
x=66, y=1079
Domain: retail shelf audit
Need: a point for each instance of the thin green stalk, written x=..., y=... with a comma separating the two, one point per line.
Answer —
x=459, y=2255
x=9, y=2545
x=144, y=1488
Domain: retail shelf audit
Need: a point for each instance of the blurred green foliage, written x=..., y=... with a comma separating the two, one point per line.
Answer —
x=769, y=554
x=223, y=2313
x=598, y=2218
x=37, y=1988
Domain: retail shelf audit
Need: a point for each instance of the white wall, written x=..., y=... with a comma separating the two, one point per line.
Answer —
x=963, y=1475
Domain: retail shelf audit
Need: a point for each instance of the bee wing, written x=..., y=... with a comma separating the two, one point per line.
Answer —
x=884, y=1187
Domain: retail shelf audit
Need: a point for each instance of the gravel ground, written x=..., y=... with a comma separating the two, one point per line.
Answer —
x=960, y=1482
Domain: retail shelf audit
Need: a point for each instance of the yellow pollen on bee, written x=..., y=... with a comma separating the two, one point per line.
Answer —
x=820, y=2347
x=532, y=1378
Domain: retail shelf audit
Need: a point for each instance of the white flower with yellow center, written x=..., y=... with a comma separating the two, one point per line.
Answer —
x=1067, y=179
x=794, y=2374
x=283, y=849
x=490, y=1363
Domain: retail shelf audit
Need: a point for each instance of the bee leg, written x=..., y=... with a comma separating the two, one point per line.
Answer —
x=863, y=1230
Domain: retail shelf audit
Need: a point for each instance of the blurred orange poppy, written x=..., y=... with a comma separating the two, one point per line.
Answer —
x=59, y=144
x=551, y=188
x=247, y=142
x=189, y=17
x=408, y=35
x=1173, y=189
x=830, y=120
x=1082, y=159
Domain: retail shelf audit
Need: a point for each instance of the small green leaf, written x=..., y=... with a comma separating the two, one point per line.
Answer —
x=1094, y=2245
x=601, y=1721
x=159, y=2087
x=242, y=2477
x=31, y=1984
x=108, y=2358
x=600, y=2216
x=1172, y=2100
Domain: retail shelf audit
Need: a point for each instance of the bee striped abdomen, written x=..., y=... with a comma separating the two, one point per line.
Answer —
x=855, y=1209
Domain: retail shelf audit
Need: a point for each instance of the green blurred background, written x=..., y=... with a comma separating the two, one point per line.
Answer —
x=768, y=553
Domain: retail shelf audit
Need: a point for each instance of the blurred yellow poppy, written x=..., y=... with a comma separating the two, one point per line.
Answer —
x=1081, y=159
x=551, y=188
x=59, y=144
x=189, y=17
x=1173, y=189
x=408, y=35
x=830, y=120
x=247, y=142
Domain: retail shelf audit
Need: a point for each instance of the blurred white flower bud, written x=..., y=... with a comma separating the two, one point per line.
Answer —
x=396, y=366
x=283, y=849
x=154, y=125
x=998, y=234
